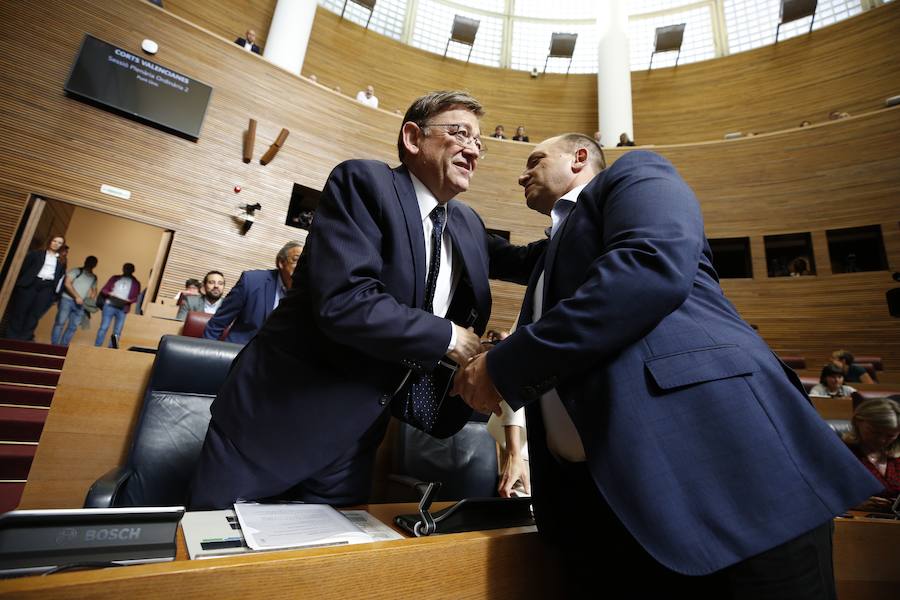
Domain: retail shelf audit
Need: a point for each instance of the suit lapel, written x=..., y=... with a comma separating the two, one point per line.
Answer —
x=270, y=291
x=406, y=196
x=466, y=247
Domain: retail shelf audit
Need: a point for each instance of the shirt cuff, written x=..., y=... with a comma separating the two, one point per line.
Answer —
x=452, y=345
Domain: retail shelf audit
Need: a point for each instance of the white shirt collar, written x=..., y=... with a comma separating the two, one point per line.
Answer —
x=424, y=197
x=563, y=206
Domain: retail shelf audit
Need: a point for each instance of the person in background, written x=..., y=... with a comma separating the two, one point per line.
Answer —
x=831, y=384
x=35, y=288
x=191, y=288
x=874, y=439
x=254, y=297
x=120, y=292
x=624, y=140
x=79, y=285
x=248, y=42
x=597, y=138
x=210, y=298
x=853, y=373
x=520, y=134
x=499, y=133
x=367, y=96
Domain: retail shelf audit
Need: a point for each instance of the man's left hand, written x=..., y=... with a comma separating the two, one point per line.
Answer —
x=474, y=384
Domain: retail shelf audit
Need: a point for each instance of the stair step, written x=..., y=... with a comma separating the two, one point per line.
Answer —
x=15, y=459
x=21, y=424
x=26, y=395
x=10, y=494
x=32, y=347
x=28, y=375
x=25, y=359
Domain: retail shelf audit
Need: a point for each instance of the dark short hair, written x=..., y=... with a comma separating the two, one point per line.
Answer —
x=90, y=262
x=830, y=369
x=843, y=355
x=192, y=282
x=219, y=273
x=573, y=141
x=128, y=268
x=433, y=103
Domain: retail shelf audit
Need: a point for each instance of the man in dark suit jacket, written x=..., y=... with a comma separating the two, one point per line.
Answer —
x=41, y=273
x=248, y=41
x=253, y=298
x=307, y=402
x=660, y=426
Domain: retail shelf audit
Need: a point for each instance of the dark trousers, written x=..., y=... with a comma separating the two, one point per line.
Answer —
x=224, y=474
x=800, y=569
x=27, y=306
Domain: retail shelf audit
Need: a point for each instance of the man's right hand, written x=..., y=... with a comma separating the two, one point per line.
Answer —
x=467, y=346
x=79, y=300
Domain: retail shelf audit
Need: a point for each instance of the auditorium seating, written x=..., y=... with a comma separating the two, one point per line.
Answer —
x=194, y=323
x=794, y=362
x=465, y=464
x=186, y=377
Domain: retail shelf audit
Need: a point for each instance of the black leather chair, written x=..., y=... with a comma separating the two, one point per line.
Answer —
x=186, y=377
x=465, y=463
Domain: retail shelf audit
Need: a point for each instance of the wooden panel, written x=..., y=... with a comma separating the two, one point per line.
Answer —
x=229, y=19
x=833, y=408
x=865, y=552
x=12, y=208
x=851, y=66
x=88, y=429
x=139, y=330
x=344, y=54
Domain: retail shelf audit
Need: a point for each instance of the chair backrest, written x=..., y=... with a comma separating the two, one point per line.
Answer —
x=465, y=463
x=876, y=361
x=794, y=362
x=169, y=434
x=194, y=323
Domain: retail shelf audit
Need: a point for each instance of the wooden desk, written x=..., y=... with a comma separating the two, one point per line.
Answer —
x=139, y=330
x=833, y=408
x=504, y=563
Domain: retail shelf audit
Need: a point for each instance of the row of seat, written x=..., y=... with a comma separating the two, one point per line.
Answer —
x=872, y=364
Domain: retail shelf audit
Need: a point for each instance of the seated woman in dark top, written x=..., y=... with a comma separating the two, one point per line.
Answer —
x=520, y=134
x=852, y=373
x=874, y=441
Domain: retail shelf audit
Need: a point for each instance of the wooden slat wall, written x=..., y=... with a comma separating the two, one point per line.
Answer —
x=12, y=208
x=838, y=174
x=851, y=66
x=228, y=18
x=344, y=54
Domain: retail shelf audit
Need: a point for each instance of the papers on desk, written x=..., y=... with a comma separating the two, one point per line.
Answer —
x=276, y=526
x=213, y=533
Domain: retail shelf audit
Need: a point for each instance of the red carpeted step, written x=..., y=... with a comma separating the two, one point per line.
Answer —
x=28, y=375
x=10, y=494
x=18, y=424
x=25, y=359
x=15, y=460
x=11, y=393
x=33, y=347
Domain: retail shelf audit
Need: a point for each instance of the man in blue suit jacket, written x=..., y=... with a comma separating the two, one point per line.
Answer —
x=253, y=298
x=661, y=428
x=307, y=401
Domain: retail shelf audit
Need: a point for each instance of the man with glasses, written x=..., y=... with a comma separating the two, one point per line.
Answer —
x=254, y=297
x=393, y=278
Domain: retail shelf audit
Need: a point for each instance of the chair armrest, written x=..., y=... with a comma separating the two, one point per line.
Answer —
x=103, y=492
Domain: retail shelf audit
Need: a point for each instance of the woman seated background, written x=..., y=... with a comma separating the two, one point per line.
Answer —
x=874, y=440
x=831, y=383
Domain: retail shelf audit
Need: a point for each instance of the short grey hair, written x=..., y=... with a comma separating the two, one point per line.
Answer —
x=431, y=104
x=283, y=253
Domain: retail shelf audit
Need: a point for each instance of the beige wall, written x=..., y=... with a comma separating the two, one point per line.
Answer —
x=114, y=241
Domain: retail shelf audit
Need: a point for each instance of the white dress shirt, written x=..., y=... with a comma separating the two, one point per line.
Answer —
x=49, y=269
x=368, y=101
x=562, y=436
x=448, y=273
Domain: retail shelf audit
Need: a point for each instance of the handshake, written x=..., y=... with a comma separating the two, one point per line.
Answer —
x=472, y=381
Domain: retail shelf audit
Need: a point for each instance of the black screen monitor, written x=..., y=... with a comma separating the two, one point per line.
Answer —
x=131, y=85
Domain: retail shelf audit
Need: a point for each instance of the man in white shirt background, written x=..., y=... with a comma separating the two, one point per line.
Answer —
x=368, y=97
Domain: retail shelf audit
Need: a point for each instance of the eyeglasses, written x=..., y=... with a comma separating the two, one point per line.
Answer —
x=461, y=133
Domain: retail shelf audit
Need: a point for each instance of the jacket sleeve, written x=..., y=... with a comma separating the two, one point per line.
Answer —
x=652, y=238
x=351, y=304
x=513, y=263
x=228, y=312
